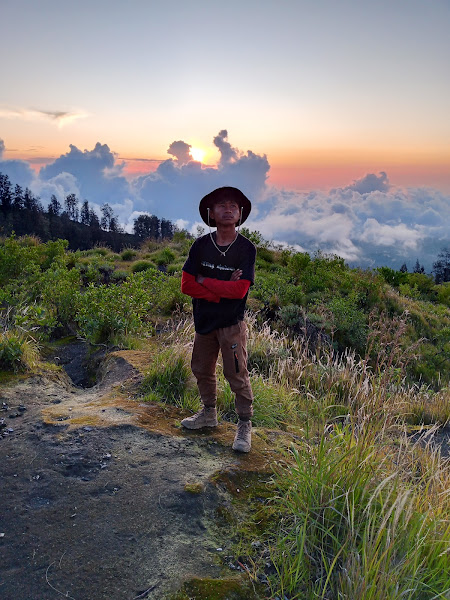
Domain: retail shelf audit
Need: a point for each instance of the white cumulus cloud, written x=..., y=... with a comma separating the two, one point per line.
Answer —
x=368, y=222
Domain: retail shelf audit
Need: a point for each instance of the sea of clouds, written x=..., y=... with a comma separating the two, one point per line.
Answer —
x=369, y=222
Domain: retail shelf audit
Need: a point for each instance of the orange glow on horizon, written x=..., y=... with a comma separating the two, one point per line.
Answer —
x=306, y=169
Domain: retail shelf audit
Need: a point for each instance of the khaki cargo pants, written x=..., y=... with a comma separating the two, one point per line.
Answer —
x=232, y=342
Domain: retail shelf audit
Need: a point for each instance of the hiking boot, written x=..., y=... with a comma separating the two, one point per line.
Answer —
x=207, y=417
x=243, y=438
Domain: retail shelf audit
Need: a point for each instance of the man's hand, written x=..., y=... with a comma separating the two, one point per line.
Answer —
x=236, y=275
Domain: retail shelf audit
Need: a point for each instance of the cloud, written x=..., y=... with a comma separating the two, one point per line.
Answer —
x=368, y=222
x=176, y=187
x=61, y=186
x=307, y=221
x=370, y=183
x=364, y=227
x=228, y=154
x=18, y=171
x=59, y=117
x=96, y=172
x=382, y=234
x=181, y=151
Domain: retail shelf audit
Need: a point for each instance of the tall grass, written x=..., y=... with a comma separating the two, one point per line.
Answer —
x=169, y=380
x=19, y=347
x=356, y=524
x=363, y=508
x=292, y=384
x=362, y=512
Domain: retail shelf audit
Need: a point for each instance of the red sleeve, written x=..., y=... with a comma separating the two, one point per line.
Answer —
x=235, y=290
x=196, y=290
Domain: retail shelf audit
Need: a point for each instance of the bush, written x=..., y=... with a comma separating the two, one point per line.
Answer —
x=17, y=351
x=107, y=314
x=18, y=259
x=443, y=293
x=164, y=257
x=101, y=251
x=297, y=263
x=142, y=265
x=128, y=254
x=350, y=323
x=392, y=277
x=119, y=276
x=59, y=292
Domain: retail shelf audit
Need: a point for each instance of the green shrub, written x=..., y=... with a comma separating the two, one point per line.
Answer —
x=392, y=277
x=350, y=323
x=142, y=265
x=443, y=293
x=119, y=276
x=254, y=236
x=107, y=313
x=175, y=268
x=405, y=289
x=128, y=254
x=18, y=259
x=101, y=251
x=36, y=319
x=164, y=257
x=59, y=292
x=297, y=263
x=18, y=352
x=266, y=255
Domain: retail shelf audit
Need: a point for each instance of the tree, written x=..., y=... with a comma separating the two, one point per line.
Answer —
x=107, y=215
x=54, y=206
x=84, y=214
x=147, y=226
x=403, y=268
x=94, y=221
x=18, y=203
x=418, y=268
x=71, y=204
x=166, y=229
x=441, y=268
x=5, y=193
x=30, y=202
x=114, y=225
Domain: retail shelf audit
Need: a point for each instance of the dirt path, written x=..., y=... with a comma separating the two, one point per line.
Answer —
x=97, y=490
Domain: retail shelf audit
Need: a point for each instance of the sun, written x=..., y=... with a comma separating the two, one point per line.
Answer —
x=197, y=154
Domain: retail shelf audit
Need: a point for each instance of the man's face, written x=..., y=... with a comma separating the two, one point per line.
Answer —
x=225, y=211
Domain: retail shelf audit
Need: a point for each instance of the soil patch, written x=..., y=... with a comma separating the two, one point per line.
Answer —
x=104, y=497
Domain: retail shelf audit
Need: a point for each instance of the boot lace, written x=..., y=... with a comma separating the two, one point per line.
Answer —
x=243, y=429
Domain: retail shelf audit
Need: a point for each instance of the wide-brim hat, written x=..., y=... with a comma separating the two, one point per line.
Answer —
x=224, y=192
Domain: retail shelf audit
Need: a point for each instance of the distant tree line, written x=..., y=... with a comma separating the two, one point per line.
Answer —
x=22, y=212
x=441, y=268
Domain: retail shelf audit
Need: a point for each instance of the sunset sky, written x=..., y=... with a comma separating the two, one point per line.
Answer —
x=328, y=91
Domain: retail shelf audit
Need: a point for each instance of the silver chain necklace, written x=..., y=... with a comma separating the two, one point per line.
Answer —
x=222, y=252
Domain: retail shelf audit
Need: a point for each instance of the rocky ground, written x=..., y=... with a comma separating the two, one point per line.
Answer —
x=104, y=497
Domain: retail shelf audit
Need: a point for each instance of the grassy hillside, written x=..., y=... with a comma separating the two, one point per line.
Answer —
x=352, y=366
x=112, y=298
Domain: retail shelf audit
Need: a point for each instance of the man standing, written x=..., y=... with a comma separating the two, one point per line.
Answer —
x=217, y=275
